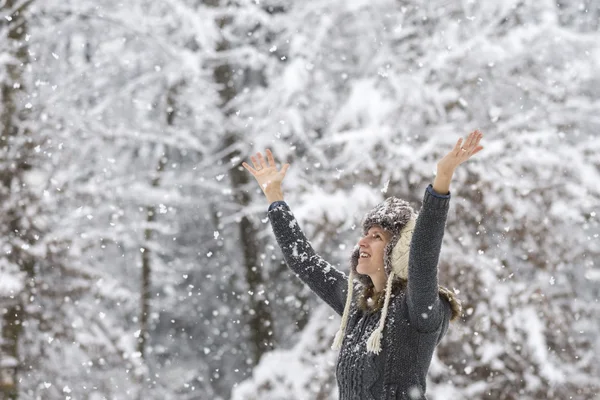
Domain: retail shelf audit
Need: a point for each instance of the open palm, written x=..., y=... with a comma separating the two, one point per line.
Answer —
x=461, y=153
x=265, y=171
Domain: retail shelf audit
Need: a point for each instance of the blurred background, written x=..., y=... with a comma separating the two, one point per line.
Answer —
x=136, y=258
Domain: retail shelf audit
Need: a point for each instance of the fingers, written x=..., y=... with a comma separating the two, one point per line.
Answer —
x=249, y=168
x=470, y=146
x=457, y=147
x=284, y=169
x=477, y=150
x=261, y=159
x=477, y=135
x=270, y=159
x=473, y=142
x=458, y=143
x=474, y=147
x=255, y=163
x=470, y=140
x=261, y=164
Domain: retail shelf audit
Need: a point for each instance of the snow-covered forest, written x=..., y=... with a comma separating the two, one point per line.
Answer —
x=137, y=261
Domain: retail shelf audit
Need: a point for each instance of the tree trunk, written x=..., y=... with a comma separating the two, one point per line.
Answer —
x=260, y=319
x=146, y=284
x=13, y=153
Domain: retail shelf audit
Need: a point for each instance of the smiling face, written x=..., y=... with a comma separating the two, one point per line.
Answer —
x=372, y=246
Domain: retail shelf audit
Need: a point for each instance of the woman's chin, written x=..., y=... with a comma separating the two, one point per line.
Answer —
x=361, y=269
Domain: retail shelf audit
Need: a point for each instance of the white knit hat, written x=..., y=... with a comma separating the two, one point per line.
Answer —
x=397, y=217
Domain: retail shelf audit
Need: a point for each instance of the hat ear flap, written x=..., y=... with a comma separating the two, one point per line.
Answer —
x=401, y=251
x=388, y=253
x=354, y=258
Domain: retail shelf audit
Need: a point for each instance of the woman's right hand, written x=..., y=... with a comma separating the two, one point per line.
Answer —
x=267, y=176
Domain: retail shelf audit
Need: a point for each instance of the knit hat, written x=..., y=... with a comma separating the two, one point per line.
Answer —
x=398, y=218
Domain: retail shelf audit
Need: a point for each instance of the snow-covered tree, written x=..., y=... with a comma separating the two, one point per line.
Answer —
x=137, y=261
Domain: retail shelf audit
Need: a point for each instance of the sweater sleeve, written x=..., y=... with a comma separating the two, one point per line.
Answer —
x=329, y=283
x=426, y=310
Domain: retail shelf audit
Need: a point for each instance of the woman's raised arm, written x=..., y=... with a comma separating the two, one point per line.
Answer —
x=326, y=281
x=423, y=300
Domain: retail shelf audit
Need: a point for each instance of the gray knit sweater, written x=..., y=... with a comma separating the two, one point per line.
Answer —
x=417, y=316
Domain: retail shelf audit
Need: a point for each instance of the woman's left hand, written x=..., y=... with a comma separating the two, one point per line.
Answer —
x=460, y=153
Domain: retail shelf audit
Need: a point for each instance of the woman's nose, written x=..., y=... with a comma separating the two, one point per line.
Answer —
x=362, y=242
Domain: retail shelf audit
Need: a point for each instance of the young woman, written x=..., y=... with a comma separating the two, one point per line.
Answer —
x=396, y=314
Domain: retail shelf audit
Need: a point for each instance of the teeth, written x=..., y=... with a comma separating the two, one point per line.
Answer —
x=364, y=255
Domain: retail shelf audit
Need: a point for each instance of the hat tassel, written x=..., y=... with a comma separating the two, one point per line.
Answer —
x=339, y=336
x=374, y=341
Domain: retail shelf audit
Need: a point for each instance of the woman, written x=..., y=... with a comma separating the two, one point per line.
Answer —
x=395, y=316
